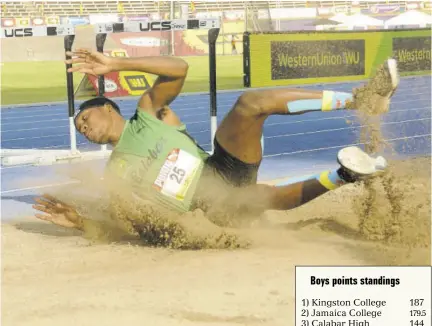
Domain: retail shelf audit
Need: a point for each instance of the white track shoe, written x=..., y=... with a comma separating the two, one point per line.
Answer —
x=374, y=96
x=357, y=165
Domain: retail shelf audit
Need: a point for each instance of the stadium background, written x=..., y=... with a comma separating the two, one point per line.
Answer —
x=24, y=58
x=236, y=17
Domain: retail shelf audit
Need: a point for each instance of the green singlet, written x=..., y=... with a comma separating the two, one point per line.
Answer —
x=160, y=162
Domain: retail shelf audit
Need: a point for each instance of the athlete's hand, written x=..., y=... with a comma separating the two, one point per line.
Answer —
x=89, y=62
x=58, y=212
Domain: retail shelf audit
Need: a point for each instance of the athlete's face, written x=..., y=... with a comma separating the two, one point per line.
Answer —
x=95, y=124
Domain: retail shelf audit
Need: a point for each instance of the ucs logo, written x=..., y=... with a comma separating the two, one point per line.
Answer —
x=18, y=32
x=155, y=26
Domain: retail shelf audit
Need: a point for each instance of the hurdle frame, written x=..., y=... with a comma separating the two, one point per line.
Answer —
x=36, y=156
x=100, y=42
x=68, y=43
x=102, y=30
x=212, y=38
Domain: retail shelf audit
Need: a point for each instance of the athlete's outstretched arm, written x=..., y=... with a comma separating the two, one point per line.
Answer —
x=65, y=215
x=171, y=74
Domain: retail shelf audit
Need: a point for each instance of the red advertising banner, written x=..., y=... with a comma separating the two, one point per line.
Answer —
x=123, y=83
x=117, y=84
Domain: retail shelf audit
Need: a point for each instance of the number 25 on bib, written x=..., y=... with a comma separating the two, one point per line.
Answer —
x=177, y=174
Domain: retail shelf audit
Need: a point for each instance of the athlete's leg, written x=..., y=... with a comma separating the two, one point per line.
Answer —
x=355, y=165
x=373, y=97
x=237, y=149
x=240, y=132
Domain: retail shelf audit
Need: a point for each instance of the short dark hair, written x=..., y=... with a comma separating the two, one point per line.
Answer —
x=95, y=102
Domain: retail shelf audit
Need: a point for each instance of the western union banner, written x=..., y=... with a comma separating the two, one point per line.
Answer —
x=413, y=53
x=322, y=57
x=298, y=60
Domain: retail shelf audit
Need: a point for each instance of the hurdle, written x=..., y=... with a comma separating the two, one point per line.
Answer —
x=35, y=156
x=47, y=157
x=210, y=24
x=100, y=41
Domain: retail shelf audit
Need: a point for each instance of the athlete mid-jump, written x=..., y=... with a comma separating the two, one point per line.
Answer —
x=153, y=153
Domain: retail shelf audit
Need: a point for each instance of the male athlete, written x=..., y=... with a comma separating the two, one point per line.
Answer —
x=153, y=153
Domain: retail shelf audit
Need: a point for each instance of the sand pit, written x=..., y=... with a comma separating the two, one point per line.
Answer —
x=53, y=276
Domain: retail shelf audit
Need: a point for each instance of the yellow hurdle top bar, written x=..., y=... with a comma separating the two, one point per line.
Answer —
x=157, y=25
x=58, y=30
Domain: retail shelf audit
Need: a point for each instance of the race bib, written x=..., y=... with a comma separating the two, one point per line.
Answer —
x=177, y=174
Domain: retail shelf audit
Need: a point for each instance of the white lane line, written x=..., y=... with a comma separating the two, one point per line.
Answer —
x=39, y=187
x=341, y=146
x=344, y=117
x=339, y=129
